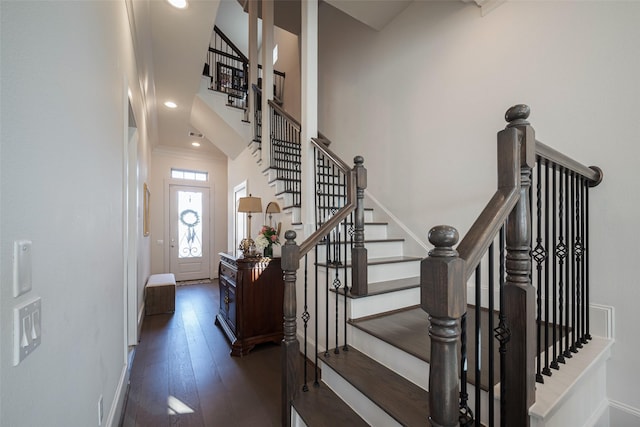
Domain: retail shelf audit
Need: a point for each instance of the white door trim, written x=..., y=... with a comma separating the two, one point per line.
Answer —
x=167, y=224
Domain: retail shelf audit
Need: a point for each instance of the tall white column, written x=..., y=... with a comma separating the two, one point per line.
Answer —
x=267, y=77
x=309, y=105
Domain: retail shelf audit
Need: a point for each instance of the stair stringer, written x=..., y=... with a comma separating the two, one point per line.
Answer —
x=577, y=393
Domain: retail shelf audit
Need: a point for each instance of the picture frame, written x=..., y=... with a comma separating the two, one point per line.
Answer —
x=145, y=218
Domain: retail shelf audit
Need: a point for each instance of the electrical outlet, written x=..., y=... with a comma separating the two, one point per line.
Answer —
x=100, y=410
x=27, y=327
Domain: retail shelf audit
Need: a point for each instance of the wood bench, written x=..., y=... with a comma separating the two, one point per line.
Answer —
x=160, y=294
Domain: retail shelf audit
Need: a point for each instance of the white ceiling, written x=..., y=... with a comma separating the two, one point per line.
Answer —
x=171, y=46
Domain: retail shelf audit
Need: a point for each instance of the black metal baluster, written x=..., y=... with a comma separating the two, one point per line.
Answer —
x=502, y=333
x=305, y=320
x=573, y=263
x=567, y=269
x=578, y=253
x=538, y=254
x=346, y=290
x=346, y=285
x=546, y=370
x=490, y=337
x=466, y=415
x=328, y=262
x=583, y=281
x=317, y=166
x=586, y=270
x=554, y=265
x=478, y=342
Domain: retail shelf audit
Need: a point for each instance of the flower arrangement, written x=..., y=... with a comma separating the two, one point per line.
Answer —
x=267, y=237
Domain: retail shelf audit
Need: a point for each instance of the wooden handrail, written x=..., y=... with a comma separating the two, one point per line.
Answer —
x=286, y=115
x=483, y=232
x=324, y=147
x=593, y=173
x=222, y=35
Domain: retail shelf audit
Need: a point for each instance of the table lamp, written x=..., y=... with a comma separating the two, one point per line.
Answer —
x=249, y=205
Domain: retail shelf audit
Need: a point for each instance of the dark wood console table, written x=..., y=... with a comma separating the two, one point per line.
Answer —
x=251, y=298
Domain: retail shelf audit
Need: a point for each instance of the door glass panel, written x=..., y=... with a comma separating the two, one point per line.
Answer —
x=189, y=224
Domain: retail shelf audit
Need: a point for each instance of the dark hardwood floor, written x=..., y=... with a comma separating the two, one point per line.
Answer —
x=182, y=373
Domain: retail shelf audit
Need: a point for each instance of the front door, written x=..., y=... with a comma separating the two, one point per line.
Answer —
x=189, y=232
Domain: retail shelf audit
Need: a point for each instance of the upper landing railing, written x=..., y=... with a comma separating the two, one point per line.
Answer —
x=228, y=70
x=541, y=314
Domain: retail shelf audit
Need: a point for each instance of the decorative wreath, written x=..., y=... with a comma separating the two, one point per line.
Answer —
x=186, y=212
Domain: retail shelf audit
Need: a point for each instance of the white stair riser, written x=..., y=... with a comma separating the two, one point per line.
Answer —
x=371, y=231
x=374, y=250
x=374, y=304
x=402, y=363
x=377, y=272
x=368, y=215
x=287, y=199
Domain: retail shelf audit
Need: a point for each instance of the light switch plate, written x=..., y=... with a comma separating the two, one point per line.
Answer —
x=21, y=267
x=27, y=329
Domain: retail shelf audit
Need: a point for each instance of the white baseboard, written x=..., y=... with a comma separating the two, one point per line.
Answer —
x=622, y=415
x=140, y=319
x=113, y=419
x=600, y=417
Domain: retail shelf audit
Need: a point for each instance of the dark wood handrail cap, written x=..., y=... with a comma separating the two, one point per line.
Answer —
x=290, y=236
x=443, y=237
x=600, y=176
x=517, y=115
x=358, y=160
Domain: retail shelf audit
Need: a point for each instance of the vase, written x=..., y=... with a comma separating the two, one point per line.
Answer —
x=268, y=251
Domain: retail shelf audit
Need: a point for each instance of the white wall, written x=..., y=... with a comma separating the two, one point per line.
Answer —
x=422, y=101
x=162, y=163
x=289, y=63
x=245, y=167
x=65, y=68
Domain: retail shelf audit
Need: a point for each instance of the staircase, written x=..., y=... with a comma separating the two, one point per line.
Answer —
x=373, y=366
x=379, y=365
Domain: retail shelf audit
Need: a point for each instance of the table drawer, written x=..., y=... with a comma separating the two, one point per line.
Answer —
x=228, y=272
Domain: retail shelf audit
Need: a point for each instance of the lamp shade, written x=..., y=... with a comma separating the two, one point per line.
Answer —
x=249, y=204
x=273, y=207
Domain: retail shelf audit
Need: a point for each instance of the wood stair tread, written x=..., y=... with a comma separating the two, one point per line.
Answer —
x=322, y=407
x=400, y=398
x=408, y=330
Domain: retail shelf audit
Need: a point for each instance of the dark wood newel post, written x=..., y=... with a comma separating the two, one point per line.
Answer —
x=443, y=296
x=359, y=282
x=519, y=293
x=290, y=345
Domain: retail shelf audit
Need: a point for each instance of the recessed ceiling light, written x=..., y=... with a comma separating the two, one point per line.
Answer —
x=178, y=4
x=195, y=144
x=170, y=104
